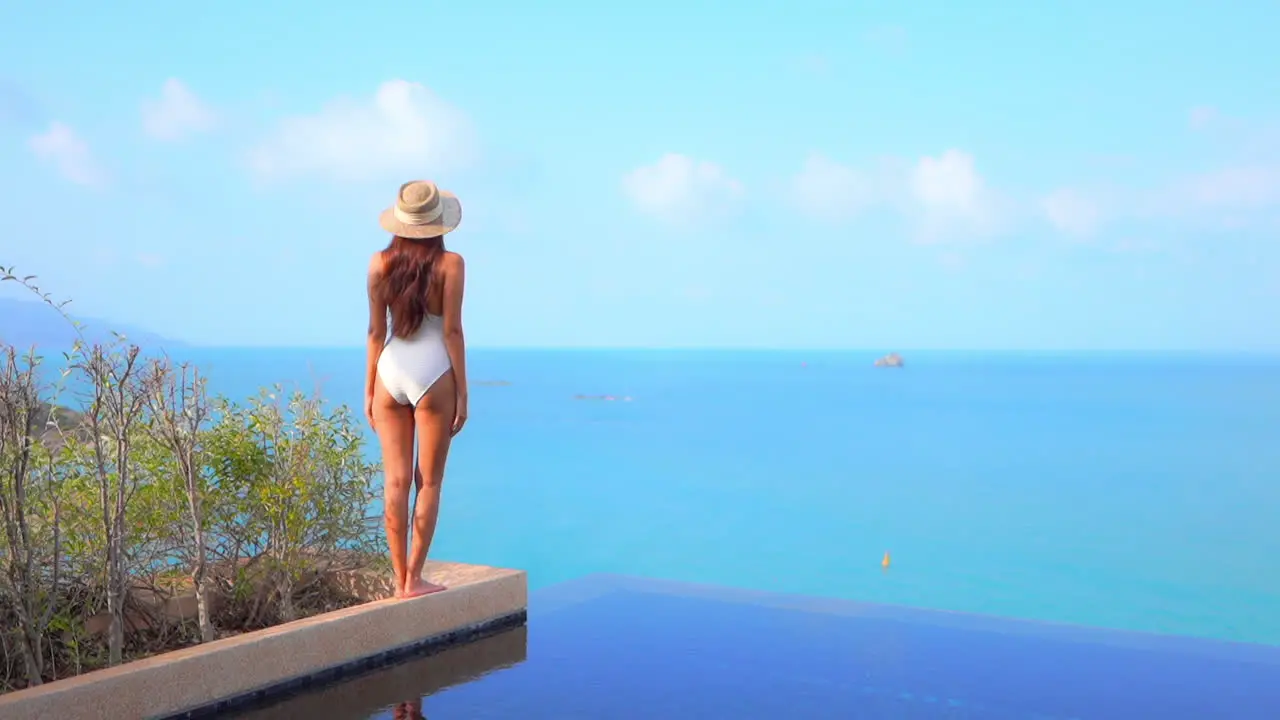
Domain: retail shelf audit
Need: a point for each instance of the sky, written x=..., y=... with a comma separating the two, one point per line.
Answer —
x=977, y=175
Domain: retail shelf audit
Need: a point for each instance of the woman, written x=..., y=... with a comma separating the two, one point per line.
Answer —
x=417, y=379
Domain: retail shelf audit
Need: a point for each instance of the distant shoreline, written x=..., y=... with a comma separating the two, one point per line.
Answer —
x=799, y=352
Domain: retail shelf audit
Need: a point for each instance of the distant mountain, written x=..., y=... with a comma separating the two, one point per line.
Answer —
x=24, y=323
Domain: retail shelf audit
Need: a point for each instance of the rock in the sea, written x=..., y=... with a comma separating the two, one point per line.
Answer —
x=891, y=360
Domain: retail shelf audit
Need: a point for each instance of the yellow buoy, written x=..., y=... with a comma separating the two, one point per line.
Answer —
x=885, y=562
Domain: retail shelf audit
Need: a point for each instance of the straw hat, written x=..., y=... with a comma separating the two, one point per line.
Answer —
x=422, y=210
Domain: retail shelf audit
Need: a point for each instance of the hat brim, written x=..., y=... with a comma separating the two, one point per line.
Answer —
x=450, y=218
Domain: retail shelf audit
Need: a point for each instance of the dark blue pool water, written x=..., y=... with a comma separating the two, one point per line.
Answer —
x=608, y=647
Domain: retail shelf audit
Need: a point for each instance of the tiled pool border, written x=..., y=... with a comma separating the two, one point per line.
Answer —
x=352, y=669
x=365, y=693
x=249, y=669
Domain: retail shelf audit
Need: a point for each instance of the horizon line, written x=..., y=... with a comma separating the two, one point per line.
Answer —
x=1271, y=352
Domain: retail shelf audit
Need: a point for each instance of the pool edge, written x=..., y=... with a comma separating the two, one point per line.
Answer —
x=247, y=669
x=565, y=595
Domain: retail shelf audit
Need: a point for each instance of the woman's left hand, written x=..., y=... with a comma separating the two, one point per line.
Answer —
x=459, y=418
x=368, y=411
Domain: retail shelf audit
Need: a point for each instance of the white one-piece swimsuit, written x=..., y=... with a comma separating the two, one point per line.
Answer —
x=408, y=367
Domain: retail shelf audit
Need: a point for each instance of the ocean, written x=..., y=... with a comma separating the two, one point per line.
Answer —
x=1124, y=491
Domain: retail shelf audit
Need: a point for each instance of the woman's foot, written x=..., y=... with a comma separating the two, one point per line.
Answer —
x=417, y=587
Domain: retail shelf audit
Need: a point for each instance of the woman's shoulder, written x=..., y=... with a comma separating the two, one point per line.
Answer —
x=451, y=261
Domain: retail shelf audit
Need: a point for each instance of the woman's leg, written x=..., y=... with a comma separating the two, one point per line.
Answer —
x=434, y=419
x=394, y=424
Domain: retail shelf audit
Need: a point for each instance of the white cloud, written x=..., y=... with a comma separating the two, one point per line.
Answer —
x=403, y=128
x=150, y=260
x=1203, y=116
x=947, y=183
x=177, y=114
x=951, y=197
x=1242, y=191
x=681, y=190
x=1236, y=188
x=813, y=64
x=65, y=150
x=887, y=38
x=1230, y=197
x=1071, y=212
x=943, y=197
x=696, y=293
x=828, y=190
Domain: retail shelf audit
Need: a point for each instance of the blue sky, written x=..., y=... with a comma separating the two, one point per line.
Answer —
x=978, y=175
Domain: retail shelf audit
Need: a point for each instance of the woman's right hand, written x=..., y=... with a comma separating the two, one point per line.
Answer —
x=459, y=416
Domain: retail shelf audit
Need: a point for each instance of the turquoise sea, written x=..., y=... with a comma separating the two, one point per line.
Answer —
x=1125, y=491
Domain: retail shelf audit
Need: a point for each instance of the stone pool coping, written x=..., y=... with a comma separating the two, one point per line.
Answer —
x=246, y=669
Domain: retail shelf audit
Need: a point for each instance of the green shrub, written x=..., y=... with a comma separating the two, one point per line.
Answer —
x=139, y=485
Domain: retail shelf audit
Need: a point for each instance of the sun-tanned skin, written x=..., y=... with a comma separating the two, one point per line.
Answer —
x=439, y=415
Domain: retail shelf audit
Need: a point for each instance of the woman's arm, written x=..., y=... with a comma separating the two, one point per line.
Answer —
x=376, y=336
x=454, y=342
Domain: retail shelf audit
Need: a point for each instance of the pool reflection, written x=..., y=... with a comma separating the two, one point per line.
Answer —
x=398, y=691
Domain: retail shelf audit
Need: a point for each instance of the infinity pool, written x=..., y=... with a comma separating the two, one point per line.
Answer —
x=608, y=647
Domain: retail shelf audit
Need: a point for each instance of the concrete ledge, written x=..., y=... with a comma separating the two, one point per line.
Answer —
x=205, y=679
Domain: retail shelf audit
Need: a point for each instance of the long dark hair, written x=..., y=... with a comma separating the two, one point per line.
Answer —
x=410, y=267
